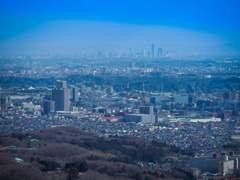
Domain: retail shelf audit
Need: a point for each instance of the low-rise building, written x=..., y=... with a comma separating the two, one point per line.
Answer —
x=143, y=118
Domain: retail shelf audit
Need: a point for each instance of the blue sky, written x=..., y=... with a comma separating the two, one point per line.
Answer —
x=218, y=22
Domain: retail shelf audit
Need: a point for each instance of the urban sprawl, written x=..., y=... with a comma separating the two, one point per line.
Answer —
x=190, y=102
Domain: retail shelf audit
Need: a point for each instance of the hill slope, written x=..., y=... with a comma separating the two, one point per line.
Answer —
x=70, y=153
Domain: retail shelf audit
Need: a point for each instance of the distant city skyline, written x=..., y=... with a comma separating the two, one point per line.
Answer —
x=186, y=27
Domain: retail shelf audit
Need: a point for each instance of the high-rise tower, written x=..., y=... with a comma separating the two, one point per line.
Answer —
x=159, y=53
x=75, y=94
x=48, y=106
x=127, y=88
x=61, y=96
x=153, y=47
x=61, y=84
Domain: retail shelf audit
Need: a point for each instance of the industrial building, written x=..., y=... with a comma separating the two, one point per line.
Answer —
x=223, y=164
x=181, y=99
x=26, y=105
x=213, y=119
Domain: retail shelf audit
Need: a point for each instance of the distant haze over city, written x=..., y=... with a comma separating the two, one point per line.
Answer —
x=68, y=37
x=184, y=28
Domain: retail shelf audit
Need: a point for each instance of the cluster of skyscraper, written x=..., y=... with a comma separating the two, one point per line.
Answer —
x=151, y=53
x=60, y=99
x=159, y=51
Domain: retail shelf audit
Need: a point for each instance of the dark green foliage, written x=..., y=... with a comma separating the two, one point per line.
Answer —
x=32, y=159
x=72, y=174
x=156, y=174
x=93, y=158
x=173, y=148
x=137, y=176
x=123, y=168
x=103, y=170
x=19, y=136
x=158, y=144
x=178, y=150
x=151, y=154
x=188, y=174
x=81, y=166
x=50, y=165
x=147, y=178
x=162, y=176
x=120, y=155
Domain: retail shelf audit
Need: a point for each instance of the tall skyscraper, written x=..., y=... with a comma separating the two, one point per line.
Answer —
x=75, y=94
x=4, y=103
x=159, y=53
x=48, y=96
x=61, y=84
x=153, y=47
x=61, y=96
x=48, y=107
x=143, y=53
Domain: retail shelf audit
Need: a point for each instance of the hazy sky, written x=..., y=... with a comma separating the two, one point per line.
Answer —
x=83, y=25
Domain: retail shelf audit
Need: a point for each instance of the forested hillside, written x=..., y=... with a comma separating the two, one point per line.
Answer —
x=69, y=153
